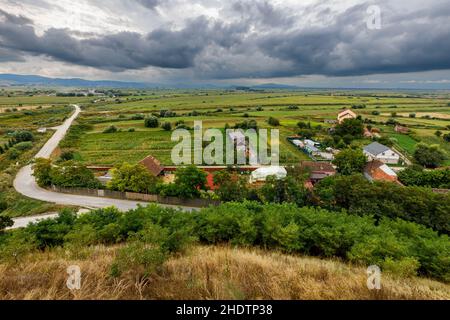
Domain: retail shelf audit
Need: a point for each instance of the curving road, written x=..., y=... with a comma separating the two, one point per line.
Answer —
x=25, y=184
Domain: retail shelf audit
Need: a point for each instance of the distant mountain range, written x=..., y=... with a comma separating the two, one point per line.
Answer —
x=38, y=81
x=30, y=80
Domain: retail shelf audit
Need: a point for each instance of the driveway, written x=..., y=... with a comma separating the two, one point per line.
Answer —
x=25, y=184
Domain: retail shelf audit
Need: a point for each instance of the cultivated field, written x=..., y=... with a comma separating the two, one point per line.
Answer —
x=218, y=108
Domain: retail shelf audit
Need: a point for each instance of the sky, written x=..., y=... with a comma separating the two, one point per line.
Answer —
x=310, y=43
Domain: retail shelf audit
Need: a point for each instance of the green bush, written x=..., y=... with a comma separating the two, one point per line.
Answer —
x=153, y=233
x=110, y=129
x=13, y=154
x=151, y=122
x=413, y=176
x=23, y=146
x=4, y=220
x=385, y=199
x=133, y=178
x=167, y=126
x=273, y=122
x=23, y=136
x=71, y=174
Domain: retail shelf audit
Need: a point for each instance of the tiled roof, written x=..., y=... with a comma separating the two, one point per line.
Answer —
x=377, y=170
x=152, y=165
x=318, y=166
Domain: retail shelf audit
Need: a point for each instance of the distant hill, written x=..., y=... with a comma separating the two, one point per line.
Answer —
x=30, y=80
x=274, y=86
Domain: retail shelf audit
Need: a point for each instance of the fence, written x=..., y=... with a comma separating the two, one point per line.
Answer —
x=151, y=198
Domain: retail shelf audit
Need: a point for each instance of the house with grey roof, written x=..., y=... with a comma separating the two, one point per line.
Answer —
x=377, y=151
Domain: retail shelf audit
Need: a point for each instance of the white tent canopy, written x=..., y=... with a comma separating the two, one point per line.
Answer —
x=261, y=174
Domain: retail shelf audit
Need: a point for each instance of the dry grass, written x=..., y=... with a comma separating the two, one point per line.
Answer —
x=206, y=273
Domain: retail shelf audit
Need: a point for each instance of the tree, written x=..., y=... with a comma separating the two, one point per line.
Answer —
x=134, y=178
x=307, y=133
x=273, y=122
x=350, y=161
x=42, y=172
x=230, y=186
x=5, y=222
x=447, y=137
x=167, y=126
x=151, y=122
x=429, y=156
x=70, y=174
x=438, y=133
x=287, y=190
x=13, y=154
x=416, y=176
x=111, y=129
x=23, y=135
x=353, y=127
x=189, y=181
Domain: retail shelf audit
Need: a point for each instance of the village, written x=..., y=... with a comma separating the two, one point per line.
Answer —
x=382, y=161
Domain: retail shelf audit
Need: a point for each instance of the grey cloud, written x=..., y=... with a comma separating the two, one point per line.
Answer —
x=347, y=47
x=150, y=4
x=263, y=41
x=10, y=56
x=126, y=50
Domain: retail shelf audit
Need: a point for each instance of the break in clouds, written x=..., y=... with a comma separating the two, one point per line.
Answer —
x=233, y=39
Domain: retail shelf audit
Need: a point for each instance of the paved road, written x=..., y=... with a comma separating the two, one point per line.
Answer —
x=25, y=184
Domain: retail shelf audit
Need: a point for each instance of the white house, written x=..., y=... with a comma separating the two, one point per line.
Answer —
x=377, y=151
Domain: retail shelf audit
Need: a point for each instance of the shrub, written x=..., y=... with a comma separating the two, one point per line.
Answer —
x=51, y=232
x=167, y=126
x=13, y=154
x=42, y=172
x=23, y=146
x=70, y=174
x=384, y=199
x=23, y=135
x=110, y=129
x=413, y=176
x=67, y=155
x=139, y=116
x=5, y=221
x=153, y=233
x=273, y=122
x=151, y=122
x=429, y=156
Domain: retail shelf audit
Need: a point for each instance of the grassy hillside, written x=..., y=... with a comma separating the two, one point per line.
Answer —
x=206, y=273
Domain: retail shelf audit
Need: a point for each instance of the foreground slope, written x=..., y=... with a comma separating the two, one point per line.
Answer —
x=206, y=273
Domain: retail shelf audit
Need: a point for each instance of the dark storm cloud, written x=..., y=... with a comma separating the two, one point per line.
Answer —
x=348, y=47
x=125, y=50
x=255, y=39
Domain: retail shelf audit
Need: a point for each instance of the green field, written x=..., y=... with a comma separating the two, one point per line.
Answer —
x=217, y=108
x=404, y=142
x=30, y=110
